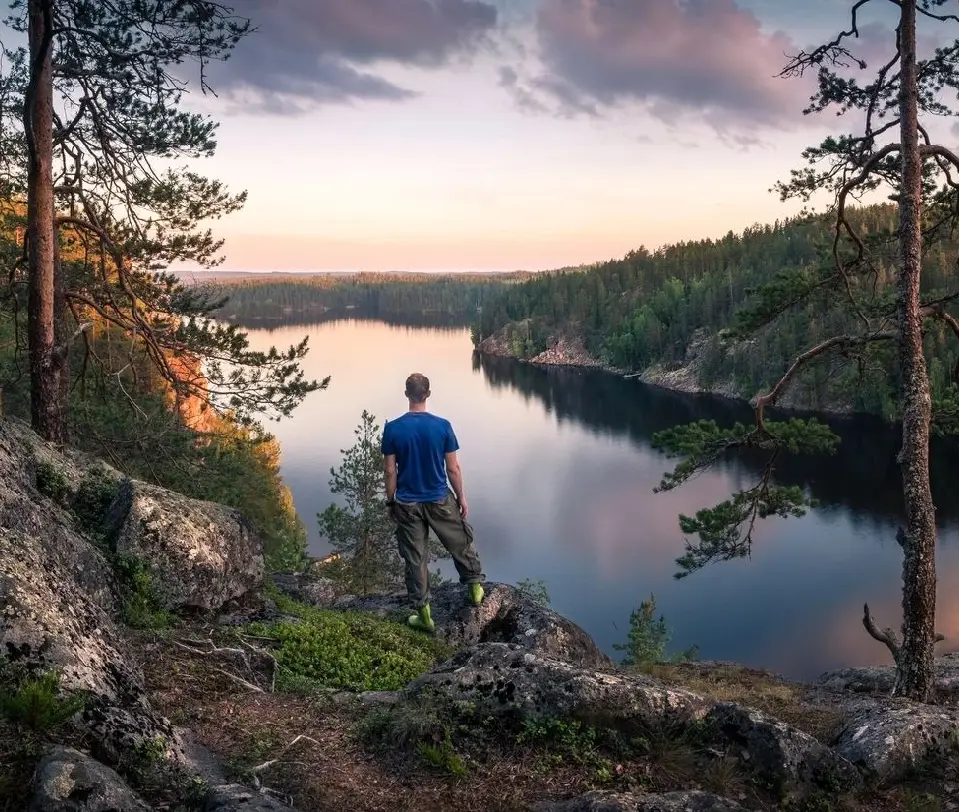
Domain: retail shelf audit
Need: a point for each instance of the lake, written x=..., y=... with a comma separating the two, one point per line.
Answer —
x=559, y=472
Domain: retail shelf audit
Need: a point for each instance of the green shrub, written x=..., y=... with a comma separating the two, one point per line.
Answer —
x=142, y=606
x=649, y=637
x=52, y=482
x=535, y=590
x=94, y=497
x=35, y=702
x=346, y=650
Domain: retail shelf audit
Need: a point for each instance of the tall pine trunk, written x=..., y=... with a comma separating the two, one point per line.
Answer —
x=44, y=367
x=915, y=666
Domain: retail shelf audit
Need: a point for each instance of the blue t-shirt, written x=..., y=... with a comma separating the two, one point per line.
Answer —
x=420, y=441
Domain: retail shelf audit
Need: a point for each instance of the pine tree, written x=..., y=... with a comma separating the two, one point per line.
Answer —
x=113, y=201
x=360, y=530
x=870, y=283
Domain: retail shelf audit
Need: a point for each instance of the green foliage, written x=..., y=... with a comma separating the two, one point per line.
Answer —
x=52, y=482
x=93, y=499
x=443, y=756
x=725, y=531
x=649, y=637
x=347, y=650
x=143, y=606
x=360, y=530
x=36, y=702
x=130, y=218
x=535, y=590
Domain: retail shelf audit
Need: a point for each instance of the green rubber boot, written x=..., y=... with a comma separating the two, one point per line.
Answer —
x=476, y=594
x=422, y=620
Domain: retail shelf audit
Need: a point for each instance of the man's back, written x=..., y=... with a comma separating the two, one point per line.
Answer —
x=420, y=441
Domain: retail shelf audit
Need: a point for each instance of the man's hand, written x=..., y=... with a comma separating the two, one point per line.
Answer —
x=464, y=508
x=391, y=510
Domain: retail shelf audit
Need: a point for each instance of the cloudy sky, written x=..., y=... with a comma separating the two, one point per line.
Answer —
x=503, y=134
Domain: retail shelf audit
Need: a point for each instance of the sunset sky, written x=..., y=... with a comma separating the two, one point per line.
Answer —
x=506, y=134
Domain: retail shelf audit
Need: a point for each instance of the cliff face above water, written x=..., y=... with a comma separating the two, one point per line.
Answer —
x=514, y=688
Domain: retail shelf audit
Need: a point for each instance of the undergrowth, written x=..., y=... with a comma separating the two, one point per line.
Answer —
x=354, y=651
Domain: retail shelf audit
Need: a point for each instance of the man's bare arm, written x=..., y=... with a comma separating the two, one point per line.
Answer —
x=455, y=474
x=389, y=475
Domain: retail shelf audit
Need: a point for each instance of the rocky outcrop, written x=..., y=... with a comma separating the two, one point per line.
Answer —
x=784, y=756
x=894, y=738
x=506, y=615
x=203, y=554
x=880, y=679
x=70, y=781
x=61, y=599
x=508, y=680
x=307, y=588
x=625, y=802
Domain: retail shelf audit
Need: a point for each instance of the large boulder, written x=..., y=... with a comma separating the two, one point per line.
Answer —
x=892, y=738
x=60, y=597
x=71, y=781
x=507, y=680
x=785, y=756
x=506, y=615
x=203, y=554
x=694, y=801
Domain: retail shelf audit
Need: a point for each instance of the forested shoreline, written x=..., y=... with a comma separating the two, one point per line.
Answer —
x=304, y=299
x=681, y=316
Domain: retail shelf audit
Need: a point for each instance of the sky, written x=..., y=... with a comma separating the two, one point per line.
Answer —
x=455, y=135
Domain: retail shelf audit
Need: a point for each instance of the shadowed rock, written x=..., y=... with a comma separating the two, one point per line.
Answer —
x=784, y=755
x=203, y=554
x=505, y=616
x=894, y=737
x=508, y=680
x=71, y=781
x=627, y=802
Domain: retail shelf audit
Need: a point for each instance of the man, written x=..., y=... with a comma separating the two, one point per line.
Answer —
x=419, y=451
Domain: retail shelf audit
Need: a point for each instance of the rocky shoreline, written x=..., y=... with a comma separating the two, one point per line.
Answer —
x=569, y=351
x=511, y=666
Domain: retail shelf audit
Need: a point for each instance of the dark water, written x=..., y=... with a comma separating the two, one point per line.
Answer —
x=559, y=472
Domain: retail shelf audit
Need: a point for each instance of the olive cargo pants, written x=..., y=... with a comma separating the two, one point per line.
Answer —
x=413, y=523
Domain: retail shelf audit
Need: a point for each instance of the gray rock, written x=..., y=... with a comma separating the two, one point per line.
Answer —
x=71, y=781
x=237, y=798
x=783, y=755
x=507, y=680
x=505, y=616
x=893, y=737
x=627, y=802
x=880, y=679
x=204, y=554
x=307, y=588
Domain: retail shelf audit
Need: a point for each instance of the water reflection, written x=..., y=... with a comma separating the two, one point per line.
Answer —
x=560, y=472
x=862, y=476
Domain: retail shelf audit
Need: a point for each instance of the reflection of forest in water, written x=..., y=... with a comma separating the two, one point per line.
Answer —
x=431, y=319
x=862, y=476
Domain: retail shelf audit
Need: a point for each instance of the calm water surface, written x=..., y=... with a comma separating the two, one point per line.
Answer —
x=559, y=472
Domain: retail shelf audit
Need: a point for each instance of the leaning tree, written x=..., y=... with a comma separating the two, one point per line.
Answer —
x=875, y=283
x=95, y=109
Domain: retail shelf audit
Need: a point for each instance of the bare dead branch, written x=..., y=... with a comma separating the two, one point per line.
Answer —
x=842, y=343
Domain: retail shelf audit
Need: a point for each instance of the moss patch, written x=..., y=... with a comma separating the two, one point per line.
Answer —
x=354, y=651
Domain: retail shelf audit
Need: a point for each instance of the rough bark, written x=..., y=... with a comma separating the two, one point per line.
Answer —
x=45, y=392
x=915, y=664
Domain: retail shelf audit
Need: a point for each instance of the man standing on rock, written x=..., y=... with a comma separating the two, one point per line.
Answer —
x=420, y=452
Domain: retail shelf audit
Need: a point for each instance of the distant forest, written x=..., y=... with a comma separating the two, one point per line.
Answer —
x=441, y=298
x=658, y=308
